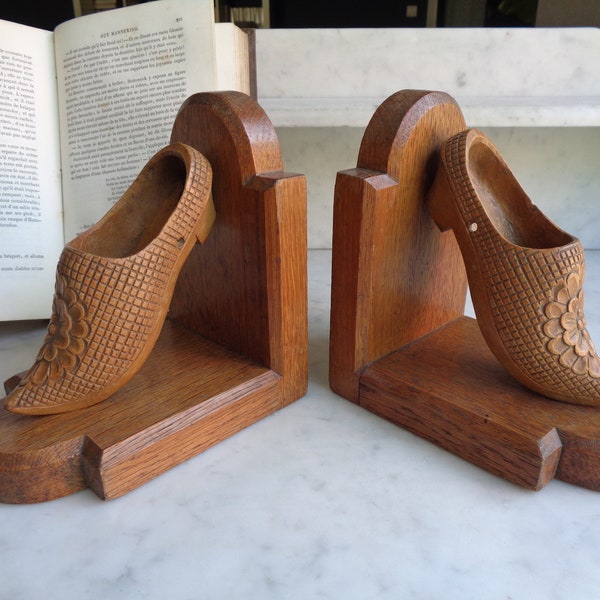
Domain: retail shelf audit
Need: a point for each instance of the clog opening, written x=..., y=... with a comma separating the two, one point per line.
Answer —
x=507, y=205
x=140, y=215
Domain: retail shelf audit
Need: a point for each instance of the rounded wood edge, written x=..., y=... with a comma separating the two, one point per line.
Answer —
x=550, y=448
x=393, y=123
x=580, y=459
x=40, y=475
x=254, y=134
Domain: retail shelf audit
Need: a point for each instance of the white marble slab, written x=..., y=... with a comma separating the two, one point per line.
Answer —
x=479, y=111
x=501, y=77
x=320, y=500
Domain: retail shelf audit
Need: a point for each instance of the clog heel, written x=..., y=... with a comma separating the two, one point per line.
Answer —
x=114, y=284
x=525, y=274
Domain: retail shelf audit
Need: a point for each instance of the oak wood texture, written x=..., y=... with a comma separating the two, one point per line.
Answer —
x=135, y=435
x=400, y=346
x=395, y=277
x=448, y=387
x=233, y=350
x=246, y=286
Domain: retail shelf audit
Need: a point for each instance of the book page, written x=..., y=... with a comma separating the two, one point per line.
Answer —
x=31, y=232
x=122, y=77
x=232, y=58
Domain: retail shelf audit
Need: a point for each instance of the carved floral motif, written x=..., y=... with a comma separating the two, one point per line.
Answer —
x=566, y=325
x=65, y=341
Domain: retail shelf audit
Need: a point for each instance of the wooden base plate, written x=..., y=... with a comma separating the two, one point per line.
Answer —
x=448, y=388
x=190, y=394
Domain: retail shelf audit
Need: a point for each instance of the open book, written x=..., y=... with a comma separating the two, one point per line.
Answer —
x=82, y=109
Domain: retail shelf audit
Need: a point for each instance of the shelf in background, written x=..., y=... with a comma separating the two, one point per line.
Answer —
x=479, y=111
x=500, y=77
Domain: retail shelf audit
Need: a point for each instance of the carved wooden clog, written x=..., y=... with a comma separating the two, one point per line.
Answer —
x=525, y=274
x=114, y=285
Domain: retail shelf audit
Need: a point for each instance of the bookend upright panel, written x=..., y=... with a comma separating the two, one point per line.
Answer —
x=400, y=346
x=395, y=277
x=233, y=350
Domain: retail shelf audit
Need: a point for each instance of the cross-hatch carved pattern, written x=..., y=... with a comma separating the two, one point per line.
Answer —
x=106, y=309
x=521, y=283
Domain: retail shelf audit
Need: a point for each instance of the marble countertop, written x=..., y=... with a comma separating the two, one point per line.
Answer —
x=515, y=77
x=320, y=500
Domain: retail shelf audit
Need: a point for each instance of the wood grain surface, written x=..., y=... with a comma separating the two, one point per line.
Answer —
x=395, y=277
x=449, y=388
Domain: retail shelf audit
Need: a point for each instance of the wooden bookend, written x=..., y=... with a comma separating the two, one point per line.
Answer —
x=395, y=277
x=233, y=350
x=400, y=345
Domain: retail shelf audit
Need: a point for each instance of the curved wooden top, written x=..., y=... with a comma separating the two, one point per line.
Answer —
x=235, y=115
x=395, y=121
x=395, y=277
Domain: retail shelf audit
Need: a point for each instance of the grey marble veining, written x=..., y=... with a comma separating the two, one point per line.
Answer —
x=320, y=500
x=502, y=77
x=471, y=62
